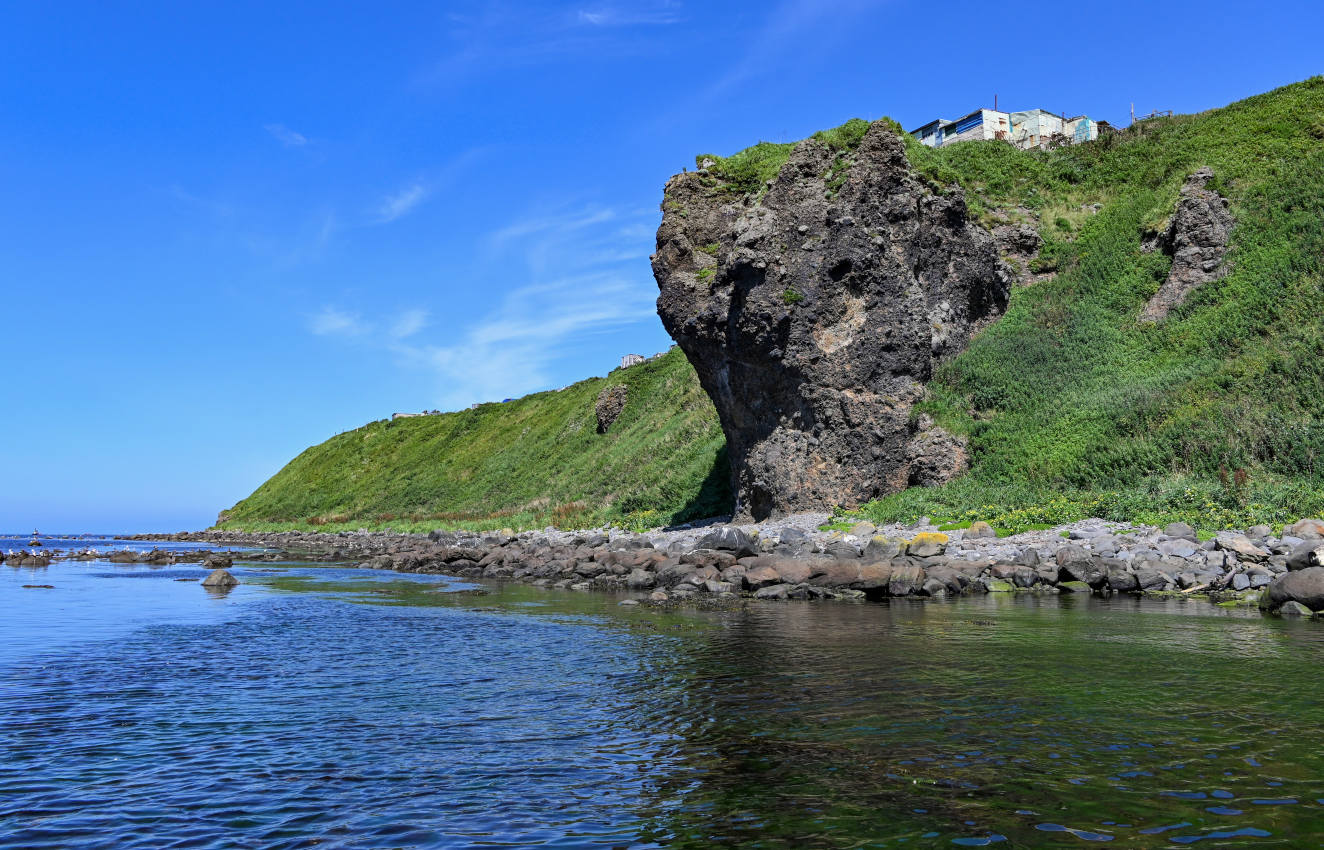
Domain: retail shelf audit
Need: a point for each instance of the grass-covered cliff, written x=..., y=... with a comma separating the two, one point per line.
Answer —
x=1072, y=406
x=528, y=463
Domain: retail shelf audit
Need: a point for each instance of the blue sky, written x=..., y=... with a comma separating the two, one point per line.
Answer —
x=230, y=230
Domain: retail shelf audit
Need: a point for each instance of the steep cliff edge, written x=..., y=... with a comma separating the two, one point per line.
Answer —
x=814, y=312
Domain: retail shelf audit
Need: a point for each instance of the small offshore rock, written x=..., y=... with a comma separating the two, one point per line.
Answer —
x=217, y=561
x=628, y=602
x=220, y=578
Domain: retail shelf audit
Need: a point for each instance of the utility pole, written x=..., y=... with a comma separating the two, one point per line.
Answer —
x=995, y=103
x=1133, y=112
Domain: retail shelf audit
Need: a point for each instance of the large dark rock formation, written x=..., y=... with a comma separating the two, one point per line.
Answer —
x=1196, y=239
x=814, y=317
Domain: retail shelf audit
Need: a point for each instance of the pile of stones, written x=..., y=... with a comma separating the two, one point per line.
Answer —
x=792, y=559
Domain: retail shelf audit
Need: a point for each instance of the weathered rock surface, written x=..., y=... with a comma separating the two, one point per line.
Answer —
x=217, y=561
x=611, y=401
x=815, y=318
x=1303, y=586
x=1196, y=239
x=220, y=578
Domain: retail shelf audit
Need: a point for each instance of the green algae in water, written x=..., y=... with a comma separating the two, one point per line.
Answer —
x=1014, y=719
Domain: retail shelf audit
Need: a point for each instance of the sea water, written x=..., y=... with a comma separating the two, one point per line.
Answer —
x=321, y=706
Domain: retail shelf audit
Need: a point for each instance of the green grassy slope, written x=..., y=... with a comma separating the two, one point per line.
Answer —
x=1074, y=408
x=1214, y=416
x=528, y=463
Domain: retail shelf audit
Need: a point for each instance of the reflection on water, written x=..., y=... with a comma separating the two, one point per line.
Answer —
x=360, y=709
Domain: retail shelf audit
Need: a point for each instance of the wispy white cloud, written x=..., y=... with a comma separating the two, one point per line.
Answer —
x=583, y=276
x=661, y=14
x=401, y=203
x=333, y=321
x=490, y=36
x=286, y=136
x=409, y=323
x=792, y=27
x=561, y=223
x=511, y=351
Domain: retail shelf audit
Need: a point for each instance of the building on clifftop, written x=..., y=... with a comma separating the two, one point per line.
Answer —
x=1034, y=128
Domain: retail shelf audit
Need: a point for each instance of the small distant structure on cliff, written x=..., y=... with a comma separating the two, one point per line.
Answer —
x=1034, y=128
x=395, y=416
x=632, y=359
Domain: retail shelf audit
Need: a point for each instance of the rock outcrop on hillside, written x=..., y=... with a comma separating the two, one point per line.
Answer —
x=815, y=314
x=610, y=403
x=1196, y=239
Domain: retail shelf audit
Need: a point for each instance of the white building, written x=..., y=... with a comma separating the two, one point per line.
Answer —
x=631, y=359
x=1034, y=128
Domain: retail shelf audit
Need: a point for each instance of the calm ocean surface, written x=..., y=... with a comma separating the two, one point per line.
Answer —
x=315, y=706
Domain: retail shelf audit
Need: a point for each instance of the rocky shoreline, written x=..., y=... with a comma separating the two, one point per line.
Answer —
x=792, y=559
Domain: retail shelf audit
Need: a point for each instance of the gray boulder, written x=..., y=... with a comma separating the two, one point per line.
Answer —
x=1293, y=609
x=640, y=580
x=1178, y=548
x=1242, y=546
x=882, y=549
x=1306, y=529
x=220, y=579
x=1308, y=554
x=980, y=531
x=1304, y=586
x=729, y=539
x=1180, y=530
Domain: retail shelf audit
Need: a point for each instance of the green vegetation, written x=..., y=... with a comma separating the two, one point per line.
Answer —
x=1073, y=408
x=750, y=169
x=1214, y=416
x=528, y=463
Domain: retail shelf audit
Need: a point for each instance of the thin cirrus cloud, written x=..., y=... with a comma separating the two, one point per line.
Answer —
x=486, y=36
x=582, y=279
x=331, y=321
x=511, y=351
x=409, y=323
x=661, y=14
x=287, y=137
x=401, y=203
